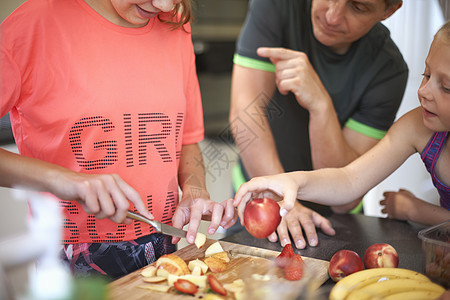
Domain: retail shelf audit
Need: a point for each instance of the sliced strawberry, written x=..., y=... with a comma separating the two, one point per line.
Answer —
x=283, y=259
x=185, y=286
x=216, y=286
x=294, y=269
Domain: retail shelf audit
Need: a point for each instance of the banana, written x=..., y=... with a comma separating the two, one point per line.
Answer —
x=379, y=290
x=414, y=295
x=369, y=276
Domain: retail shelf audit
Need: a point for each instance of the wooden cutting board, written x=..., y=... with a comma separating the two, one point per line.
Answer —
x=245, y=261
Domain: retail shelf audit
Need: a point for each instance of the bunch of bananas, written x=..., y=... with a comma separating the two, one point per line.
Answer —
x=386, y=283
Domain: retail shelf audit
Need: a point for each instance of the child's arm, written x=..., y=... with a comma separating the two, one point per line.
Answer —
x=195, y=203
x=403, y=205
x=105, y=195
x=339, y=186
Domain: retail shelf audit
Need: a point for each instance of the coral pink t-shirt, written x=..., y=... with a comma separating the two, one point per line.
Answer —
x=95, y=97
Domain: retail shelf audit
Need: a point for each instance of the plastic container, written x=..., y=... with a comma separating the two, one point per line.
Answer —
x=436, y=248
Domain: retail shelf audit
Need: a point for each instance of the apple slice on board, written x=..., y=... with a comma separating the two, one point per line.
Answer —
x=216, y=265
x=198, y=263
x=171, y=264
x=149, y=271
x=154, y=279
x=155, y=287
x=213, y=249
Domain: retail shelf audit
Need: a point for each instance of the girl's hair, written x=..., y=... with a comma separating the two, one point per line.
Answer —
x=444, y=31
x=180, y=14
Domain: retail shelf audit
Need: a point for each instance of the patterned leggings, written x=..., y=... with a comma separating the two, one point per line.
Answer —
x=114, y=260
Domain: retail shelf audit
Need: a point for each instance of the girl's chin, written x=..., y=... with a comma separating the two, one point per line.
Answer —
x=433, y=125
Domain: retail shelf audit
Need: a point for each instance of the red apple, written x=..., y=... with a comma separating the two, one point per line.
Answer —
x=380, y=255
x=344, y=263
x=261, y=217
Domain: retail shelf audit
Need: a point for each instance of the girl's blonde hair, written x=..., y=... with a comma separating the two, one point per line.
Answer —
x=184, y=10
x=444, y=31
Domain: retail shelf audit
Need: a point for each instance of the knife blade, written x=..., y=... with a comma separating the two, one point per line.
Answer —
x=159, y=227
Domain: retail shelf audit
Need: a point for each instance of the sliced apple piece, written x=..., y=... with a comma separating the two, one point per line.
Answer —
x=162, y=273
x=261, y=277
x=197, y=262
x=173, y=264
x=200, y=280
x=236, y=286
x=213, y=297
x=154, y=279
x=171, y=279
x=196, y=271
x=200, y=240
x=216, y=265
x=222, y=255
x=155, y=287
x=213, y=249
x=149, y=271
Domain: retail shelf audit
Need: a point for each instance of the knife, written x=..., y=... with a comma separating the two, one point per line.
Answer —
x=159, y=227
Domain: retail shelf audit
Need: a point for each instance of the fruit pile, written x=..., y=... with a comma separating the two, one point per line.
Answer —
x=382, y=279
x=188, y=277
x=201, y=275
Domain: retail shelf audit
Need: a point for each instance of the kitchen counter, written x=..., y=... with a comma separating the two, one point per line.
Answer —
x=357, y=233
x=353, y=232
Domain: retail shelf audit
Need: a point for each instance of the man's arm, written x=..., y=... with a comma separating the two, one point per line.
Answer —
x=359, y=144
x=331, y=146
x=251, y=89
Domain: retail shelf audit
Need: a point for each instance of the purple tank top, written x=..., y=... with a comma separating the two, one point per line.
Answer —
x=429, y=157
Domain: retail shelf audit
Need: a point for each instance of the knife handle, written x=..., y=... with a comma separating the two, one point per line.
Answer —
x=139, y=217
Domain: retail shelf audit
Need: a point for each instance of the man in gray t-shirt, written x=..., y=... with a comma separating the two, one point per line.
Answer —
x=323, y=90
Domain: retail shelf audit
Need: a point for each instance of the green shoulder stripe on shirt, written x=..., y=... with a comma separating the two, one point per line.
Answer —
x=237, y=177
x=253, y=63
x=364, y=129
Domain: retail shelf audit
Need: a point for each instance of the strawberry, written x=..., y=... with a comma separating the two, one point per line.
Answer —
x=216, y=286
x=283, y=259
x=294, y=269
x=185, y=286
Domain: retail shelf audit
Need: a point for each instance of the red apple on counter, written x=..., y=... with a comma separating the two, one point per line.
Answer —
x=261, y=217
x=344, y=263
x=380, y=255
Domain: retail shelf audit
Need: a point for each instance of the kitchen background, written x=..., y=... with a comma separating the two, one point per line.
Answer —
x=214, y=31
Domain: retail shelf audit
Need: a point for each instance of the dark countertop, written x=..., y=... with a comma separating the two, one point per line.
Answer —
x=357, y=233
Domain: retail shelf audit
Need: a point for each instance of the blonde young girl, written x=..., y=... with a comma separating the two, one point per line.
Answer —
x=424, y=129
